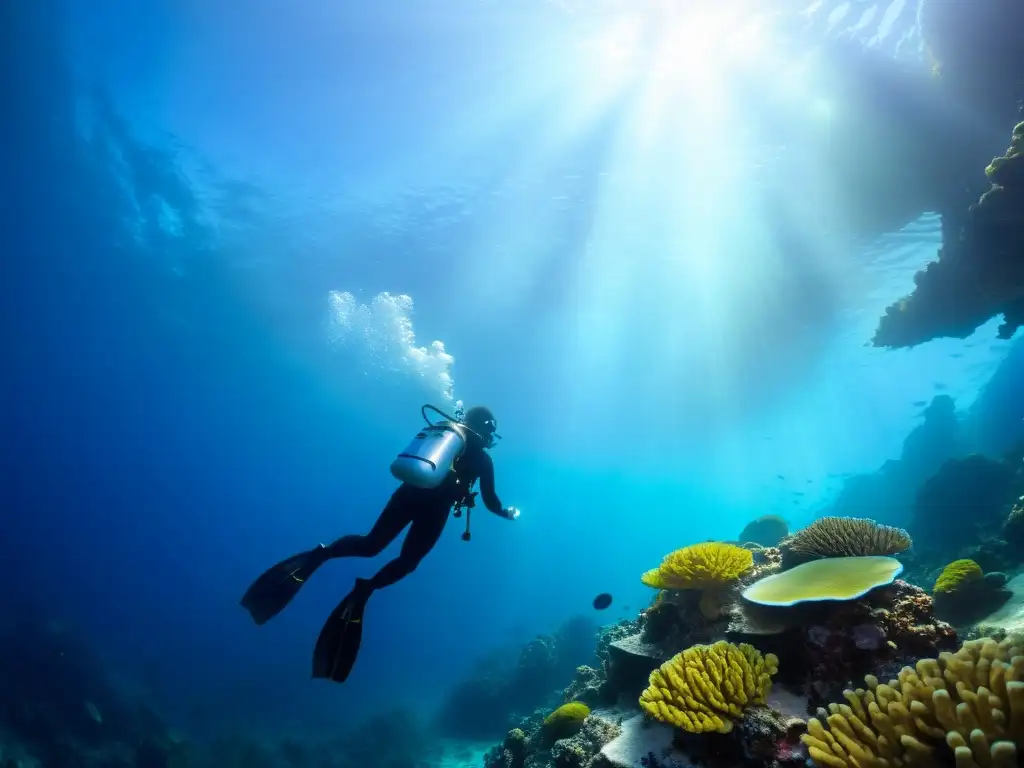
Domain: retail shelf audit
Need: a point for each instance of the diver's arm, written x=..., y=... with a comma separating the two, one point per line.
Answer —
x=491, y=500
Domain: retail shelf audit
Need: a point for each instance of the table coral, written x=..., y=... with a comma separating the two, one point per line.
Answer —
x=833, y=578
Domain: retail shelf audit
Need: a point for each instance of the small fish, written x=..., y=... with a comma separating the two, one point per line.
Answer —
x=938, y=387
x=602, y=601
x=919, y=403
x=781, y=477
x=799, y=493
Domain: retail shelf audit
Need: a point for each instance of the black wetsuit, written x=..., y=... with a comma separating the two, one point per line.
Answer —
x=426, y=512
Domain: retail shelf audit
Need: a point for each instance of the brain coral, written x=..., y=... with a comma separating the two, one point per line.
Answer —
x=703, y=688
x=964, y=709
x=835, y=578
x=847, y=537
x=956, y=575
x=700, y=566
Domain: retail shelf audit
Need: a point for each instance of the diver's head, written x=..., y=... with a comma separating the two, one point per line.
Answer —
x=481, y=421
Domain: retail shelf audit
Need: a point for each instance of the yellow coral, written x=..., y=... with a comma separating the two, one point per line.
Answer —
x=700, y=566
x=705, y=687
x=964, y=709
x=956, y=575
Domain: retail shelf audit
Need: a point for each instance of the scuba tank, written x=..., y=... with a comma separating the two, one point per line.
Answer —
x=427, y=460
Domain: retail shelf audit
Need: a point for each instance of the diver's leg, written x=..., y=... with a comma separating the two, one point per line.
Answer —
x=395, y=516
x=424, y=533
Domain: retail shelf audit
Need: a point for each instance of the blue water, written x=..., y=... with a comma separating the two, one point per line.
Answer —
x=186, y=187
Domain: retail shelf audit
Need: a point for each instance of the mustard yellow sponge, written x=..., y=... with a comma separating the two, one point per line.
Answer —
x=705, y=687
x=834, y=578
x=566, y=720
x=707, y=565
x=956, y=575
x=964, y=709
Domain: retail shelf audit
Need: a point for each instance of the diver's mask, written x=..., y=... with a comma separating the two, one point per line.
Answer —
x=490, y=436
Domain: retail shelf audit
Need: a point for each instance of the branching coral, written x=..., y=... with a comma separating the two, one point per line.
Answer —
x=710, y=566
x=847, y=537
x=705, y=687
x=968, y=706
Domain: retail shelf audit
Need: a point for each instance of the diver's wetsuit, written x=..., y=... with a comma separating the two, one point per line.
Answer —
x=427, y=511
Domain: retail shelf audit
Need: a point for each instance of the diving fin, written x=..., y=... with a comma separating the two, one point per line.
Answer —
x=272, y=591
x=338, y=645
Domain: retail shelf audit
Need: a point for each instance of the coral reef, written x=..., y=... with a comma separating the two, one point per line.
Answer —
x=762, y=738
x=843, y=537
x=706, y=687
x=765, y=531
x=565, y=721
x=511, y=753
x=979, y=273
x=507, y=683
x=710, y=567
x=1013, y=526
x=579, y=750
x=531, y=746
x=833, y=578
x=957, y=576
x=965, y=500
x=827, y=645
x=965, y=707
x=964, y=593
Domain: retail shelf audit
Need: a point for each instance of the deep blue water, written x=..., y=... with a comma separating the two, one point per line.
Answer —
x=185, y=184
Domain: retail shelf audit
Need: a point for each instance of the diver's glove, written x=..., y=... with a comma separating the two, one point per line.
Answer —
x=511, y=513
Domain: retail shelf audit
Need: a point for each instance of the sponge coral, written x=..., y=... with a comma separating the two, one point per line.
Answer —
x=964, y=709
x=957, y=575
x=847, y=537
x=705, y=687
x=834, y=578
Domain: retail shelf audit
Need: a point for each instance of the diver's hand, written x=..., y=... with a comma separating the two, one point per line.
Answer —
x=511, y=513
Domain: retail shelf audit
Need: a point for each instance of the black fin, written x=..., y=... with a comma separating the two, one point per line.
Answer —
x=272, y=591
x=338, y=645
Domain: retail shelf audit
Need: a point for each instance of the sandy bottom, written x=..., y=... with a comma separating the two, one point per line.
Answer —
x=463, y=754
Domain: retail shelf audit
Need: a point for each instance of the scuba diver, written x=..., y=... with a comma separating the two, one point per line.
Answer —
x=437, y=470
